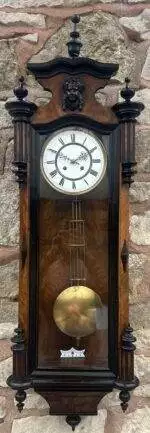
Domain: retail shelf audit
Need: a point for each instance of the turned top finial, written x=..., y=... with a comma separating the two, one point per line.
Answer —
x=74, y=45
x=75, y=19
x=21, y=92
x=127, y=93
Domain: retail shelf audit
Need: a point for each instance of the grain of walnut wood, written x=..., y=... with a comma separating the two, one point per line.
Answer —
x=72, y=403
x=91, y=107
x=54, y=276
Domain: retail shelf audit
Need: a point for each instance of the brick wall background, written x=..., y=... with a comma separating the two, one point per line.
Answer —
x=117, y=31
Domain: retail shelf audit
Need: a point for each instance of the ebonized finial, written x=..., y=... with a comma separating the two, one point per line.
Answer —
x=17, y=380
x=18, y=337
x=21, y=92
x=74, y=45
x=127, y=93
x=73, y=420
x=128, y=339
x=124, y=396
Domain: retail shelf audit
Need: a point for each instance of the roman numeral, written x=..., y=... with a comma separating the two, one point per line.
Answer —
x=73, y=185
x=50, y=162
x=61, y=141
x=84, y=140
x=53, y=173
x=93, y=172
x=62, y=181
x=92, y=150
x=86, y=181
x=96, y=160
x=73, y=138
x=52, y=150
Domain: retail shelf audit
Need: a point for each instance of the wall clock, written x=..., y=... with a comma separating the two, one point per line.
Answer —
x=74, y=160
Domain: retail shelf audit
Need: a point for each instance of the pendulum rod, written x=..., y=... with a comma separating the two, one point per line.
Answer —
x=77, y=244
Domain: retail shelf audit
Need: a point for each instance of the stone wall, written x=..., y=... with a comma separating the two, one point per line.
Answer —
x=111, y=31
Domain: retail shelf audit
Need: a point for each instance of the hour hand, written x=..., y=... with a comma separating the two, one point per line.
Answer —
x=65, y=157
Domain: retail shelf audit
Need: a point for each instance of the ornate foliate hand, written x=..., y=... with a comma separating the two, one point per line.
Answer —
x=82, y=157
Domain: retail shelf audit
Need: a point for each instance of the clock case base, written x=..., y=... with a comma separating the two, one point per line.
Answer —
x=72, y=403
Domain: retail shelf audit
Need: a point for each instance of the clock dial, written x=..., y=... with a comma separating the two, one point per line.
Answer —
x=73, y=161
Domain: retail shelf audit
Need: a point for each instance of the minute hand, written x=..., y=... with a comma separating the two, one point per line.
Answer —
x=82, y=157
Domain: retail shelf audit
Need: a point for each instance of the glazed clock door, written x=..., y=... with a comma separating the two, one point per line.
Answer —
x=73, y=255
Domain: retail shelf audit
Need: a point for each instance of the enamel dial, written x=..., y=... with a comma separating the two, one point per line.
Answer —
x=73, y=160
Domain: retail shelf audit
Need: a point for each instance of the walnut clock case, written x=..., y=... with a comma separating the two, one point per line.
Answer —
x=74, y=159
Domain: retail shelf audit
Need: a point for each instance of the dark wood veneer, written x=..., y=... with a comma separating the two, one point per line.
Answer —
x=72, y=402
x=54, y=277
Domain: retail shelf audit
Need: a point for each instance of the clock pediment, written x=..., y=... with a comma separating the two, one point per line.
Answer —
x=79, y=65
x=79, y=99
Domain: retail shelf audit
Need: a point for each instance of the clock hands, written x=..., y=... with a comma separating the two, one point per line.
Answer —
x=78, y=163
x=66, y=158
x=82, y=157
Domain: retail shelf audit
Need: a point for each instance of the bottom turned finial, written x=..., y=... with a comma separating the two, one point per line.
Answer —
x=20, y=398
x=124, y=397
x=73, y=420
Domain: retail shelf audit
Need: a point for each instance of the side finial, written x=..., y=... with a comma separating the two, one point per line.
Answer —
x=127, y=93
x=74, y=45
x=21, y=92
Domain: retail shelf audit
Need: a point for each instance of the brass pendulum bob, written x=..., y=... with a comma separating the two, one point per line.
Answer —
x=75, y=311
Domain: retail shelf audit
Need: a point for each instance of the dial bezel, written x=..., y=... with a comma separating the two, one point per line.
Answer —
x=99, y=142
